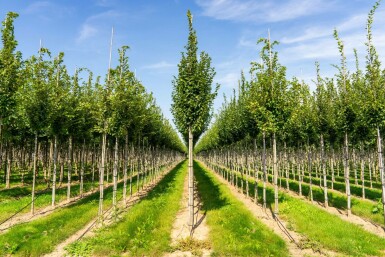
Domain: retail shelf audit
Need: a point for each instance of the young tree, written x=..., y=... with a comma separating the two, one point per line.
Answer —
x=192, y=100
x=268, y=103
x=36, y=108
x=375, y=98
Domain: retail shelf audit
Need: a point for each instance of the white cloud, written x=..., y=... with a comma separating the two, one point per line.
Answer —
x=229, y=80
x=243, y=42
x=159, y=66
x=111, y=14
x=309, y=33
x=261, y=11
x=87, y=31
x=38, y=6
x=48, y=10
x=92, y=24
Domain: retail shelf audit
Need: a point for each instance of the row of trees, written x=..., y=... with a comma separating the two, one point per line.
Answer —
x=344, y=111
x=41, y=102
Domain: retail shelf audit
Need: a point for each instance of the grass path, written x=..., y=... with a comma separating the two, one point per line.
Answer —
x=233, y=229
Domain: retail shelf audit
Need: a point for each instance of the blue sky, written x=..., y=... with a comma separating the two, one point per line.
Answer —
x=156, y=32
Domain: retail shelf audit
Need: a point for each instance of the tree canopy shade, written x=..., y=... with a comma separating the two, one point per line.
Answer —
x=192, y=93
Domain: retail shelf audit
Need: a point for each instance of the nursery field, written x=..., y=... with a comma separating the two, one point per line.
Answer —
x=91, y=166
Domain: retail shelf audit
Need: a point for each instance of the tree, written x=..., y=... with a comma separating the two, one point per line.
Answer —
x=36, y=108
x=193, y=99
x=375, y=105
x=10, y=63
x=268, y=103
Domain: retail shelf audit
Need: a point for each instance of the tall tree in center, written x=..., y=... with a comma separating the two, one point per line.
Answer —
x=192, y=100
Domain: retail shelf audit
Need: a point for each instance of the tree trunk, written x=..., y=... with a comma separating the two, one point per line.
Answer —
x=93, y=168
x=34, y=176
x=54, y=170
x=347, y=173
x=69, y=163
x=190, y=180
x=125, y=165
x=101, y=178
x=115, y=177
x=8, y=169
x=325, y=187
x=264, y=169
x=255, y=171
x=275, y=170
x=309, y=159
x=332, y=168
x=82, y=160
x=381, y=168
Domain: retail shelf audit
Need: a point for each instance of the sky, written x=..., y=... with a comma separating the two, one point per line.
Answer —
x=156, y=32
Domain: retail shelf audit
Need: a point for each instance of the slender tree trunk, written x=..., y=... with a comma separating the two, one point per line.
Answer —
x=115, y=177
x=61, y=169
x=50, y=158
x=332, y=168
x=275, y=170
x=34, y=176
x=8, y=169
x=93, y=167
x=264, y=169
x=69, y=172
x=125, y=165
x=82, y=160
x=355, y=167
x=101, y=177
x=309, y=159
x=191, y=180
x=132, y=167
x=370, y=171
x=325, y=187
x=363, y=176
x=255, y=171
x=299, y=175
x=347, y=173
x=54, y=170
x=381, y=168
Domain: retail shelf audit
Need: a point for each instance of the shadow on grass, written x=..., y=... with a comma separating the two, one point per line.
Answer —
x=209, y=190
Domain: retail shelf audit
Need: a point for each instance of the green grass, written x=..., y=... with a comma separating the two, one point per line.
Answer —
x=341, y=179
x=145, y=230
x=11, y=202
x=41, y=236
x=370, y=193
x=359, y=206
x=322, y=228
x=233, y=229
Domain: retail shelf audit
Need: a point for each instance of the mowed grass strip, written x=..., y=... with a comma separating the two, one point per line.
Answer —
x=145, y=229
x=322, y=229
x=234, y=231
x=41, y=236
